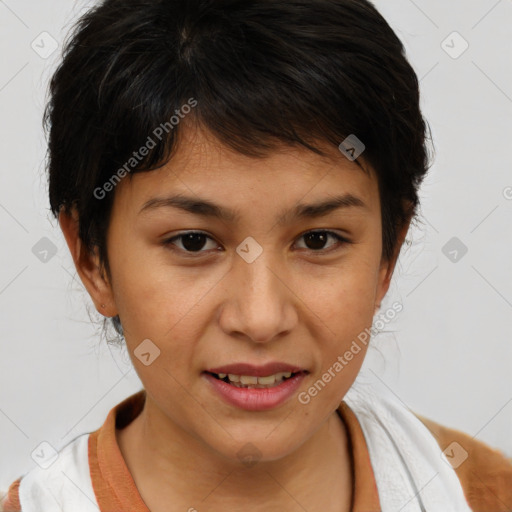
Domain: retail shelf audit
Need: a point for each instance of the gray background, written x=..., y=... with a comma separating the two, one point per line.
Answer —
x=447, y=355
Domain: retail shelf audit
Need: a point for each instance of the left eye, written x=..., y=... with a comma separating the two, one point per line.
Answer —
x=319, y=238
x=194, y=241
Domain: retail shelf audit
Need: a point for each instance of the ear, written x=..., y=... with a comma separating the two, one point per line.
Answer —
x=387, y=267
x=87, y=265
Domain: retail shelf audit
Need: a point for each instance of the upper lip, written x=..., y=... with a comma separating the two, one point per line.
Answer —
x=254, y=370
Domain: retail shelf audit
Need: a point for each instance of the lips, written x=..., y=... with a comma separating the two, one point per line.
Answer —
x=255, y=387
x=255, y=397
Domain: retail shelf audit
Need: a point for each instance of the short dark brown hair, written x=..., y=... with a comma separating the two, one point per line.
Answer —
x=262, y=73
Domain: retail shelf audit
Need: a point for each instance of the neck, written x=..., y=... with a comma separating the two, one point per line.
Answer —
x=316, y=476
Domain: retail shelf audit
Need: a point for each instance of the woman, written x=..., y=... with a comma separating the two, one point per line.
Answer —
x=235, y=180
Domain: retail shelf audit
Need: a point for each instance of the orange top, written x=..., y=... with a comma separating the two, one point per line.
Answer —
x=486, y=475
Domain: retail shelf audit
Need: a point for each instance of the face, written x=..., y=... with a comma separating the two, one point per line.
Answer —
x=276, y=283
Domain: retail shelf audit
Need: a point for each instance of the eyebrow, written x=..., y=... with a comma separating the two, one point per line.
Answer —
x=206, y=208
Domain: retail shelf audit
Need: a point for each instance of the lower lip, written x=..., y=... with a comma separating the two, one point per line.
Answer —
x=256, y=399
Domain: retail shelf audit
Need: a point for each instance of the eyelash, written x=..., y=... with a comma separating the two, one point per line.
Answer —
x=194, y=254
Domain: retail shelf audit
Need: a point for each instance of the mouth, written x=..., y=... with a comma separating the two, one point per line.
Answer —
x=255, y=382
x=255, y=388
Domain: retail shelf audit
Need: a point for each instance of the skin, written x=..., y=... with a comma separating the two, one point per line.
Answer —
x=293, y=304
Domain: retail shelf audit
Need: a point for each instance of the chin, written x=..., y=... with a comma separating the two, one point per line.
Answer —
x=248, y=451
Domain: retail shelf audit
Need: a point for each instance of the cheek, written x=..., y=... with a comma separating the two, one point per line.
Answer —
x=345, y=306
x=146, y=290
x=169, y=307
x=343, y=298
x=347, y=315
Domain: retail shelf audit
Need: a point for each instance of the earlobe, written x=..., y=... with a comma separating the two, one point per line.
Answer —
x=87, y=265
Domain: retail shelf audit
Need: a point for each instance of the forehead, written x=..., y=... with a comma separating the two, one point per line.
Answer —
x=204, y=167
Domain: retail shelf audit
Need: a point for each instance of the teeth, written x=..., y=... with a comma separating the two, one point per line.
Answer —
x=253, y=381
x=246, y=379
x=271, y=379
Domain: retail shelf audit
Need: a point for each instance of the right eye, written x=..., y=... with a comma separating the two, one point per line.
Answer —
x=191, y=242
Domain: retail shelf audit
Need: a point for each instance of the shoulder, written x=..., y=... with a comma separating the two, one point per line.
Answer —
x=485, y=473
x=11, y=502
x=44, y=488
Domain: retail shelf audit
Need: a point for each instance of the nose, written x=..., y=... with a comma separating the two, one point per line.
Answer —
x=260, y=303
